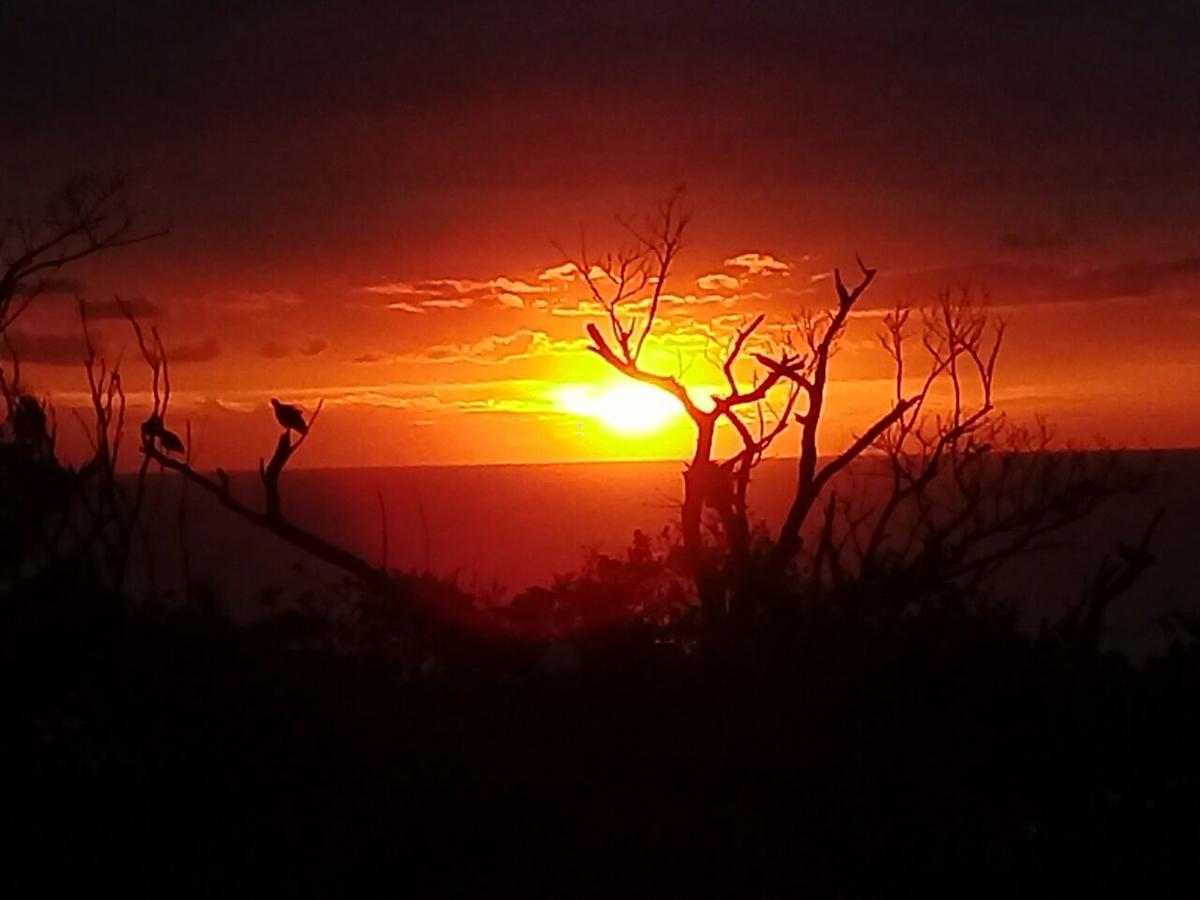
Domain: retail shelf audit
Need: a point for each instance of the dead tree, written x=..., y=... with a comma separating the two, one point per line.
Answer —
x=84, y=514
x=967, y=492
x=89, y=214
x=615, y=281
x=820, y=334
x=96, y=514
x=111, y=511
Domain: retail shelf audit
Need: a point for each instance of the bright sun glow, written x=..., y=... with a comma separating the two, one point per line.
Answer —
x=628, y=407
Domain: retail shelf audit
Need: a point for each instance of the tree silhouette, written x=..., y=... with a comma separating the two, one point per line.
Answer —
x=89, y=214
x=967, y=490
x=57, y=512
x=966, y=493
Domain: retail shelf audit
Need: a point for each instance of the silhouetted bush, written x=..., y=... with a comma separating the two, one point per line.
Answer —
x=945, y=749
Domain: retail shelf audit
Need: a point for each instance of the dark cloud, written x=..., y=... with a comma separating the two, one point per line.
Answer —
x=205, y=351
x=490, y=350
x=1014, y=284
x=115, y=309
x=49, y=349
x=53, y=284
x=250, y=302
x=1040, y=238
x=458, y=293
x=276, y=350
x=373, y=357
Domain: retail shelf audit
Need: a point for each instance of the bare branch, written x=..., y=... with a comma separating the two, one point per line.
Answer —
x=88, y=215
x=372, y=577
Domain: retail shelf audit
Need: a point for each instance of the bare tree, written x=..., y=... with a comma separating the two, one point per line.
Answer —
x=89, y=214
x=966, y=491
x=709, y=483
x=615, y=280
x=85, y=513
x=954, y=509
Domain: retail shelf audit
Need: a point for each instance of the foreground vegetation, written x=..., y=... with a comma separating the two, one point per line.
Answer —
x=840, y=706
x=169, y=753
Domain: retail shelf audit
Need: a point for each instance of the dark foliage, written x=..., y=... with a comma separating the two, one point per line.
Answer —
x=171, y=754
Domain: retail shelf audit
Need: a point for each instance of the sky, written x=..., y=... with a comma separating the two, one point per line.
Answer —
x=366, y=204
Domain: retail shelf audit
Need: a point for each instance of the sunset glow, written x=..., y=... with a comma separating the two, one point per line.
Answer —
x=421, y=285
x=626, y=407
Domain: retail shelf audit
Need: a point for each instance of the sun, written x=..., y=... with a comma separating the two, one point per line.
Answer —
x=626, y=407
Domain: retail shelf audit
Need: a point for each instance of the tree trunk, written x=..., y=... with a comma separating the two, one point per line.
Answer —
x=696, y=483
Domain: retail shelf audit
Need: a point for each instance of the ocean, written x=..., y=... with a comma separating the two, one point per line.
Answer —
x=498, y=529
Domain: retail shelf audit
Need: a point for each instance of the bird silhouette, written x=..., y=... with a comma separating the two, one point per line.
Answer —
x=290, y=417
x=170, y=441
x=153, y=429
x=152, y=426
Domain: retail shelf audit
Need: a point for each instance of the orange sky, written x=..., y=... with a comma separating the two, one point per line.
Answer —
x=470, y=367
x=364, y=207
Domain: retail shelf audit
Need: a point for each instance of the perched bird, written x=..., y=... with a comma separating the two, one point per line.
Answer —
x=290, y=417
x=170, y=441
x=153, y=429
